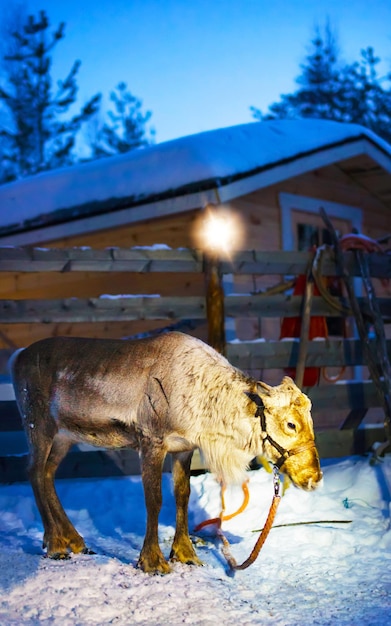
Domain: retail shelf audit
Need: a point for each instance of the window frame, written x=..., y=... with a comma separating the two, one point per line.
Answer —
x=290, y=202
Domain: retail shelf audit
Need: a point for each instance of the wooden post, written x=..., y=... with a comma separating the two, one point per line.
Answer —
x=214, y=302
x=305, y=329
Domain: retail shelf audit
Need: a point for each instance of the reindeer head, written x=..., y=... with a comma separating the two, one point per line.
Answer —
x=287, y=429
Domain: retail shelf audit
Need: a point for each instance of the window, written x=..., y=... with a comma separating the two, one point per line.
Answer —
x=302, y=226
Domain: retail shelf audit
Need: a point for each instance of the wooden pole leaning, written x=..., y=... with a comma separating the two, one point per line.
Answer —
x=305, y=327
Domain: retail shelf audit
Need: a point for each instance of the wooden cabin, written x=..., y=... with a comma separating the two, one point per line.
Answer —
x=274, y=175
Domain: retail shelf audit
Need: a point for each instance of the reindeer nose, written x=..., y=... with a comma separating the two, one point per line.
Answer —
x=310, y=479
x=314, y=481
x=312, y=485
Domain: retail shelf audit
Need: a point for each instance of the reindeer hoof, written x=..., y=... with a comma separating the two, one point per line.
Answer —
x=87, y=551
x=58, y=556
x=193, y=561
x=153, y=565
x=185, y=554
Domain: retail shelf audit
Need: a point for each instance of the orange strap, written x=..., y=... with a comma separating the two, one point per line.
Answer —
x=222, y=517
x=246, y=499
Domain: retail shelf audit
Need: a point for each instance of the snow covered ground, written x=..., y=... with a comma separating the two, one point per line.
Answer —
x=324, y=573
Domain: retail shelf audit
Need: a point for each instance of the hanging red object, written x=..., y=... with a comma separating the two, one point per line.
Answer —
x=291, y=328
x=356, y=241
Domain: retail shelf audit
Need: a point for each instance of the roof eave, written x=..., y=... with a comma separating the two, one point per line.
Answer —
x=195, y=195
x=303, y=163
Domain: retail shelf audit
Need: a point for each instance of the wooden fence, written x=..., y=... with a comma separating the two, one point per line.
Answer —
x=354, y=397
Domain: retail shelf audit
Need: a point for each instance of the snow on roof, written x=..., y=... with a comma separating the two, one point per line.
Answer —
x=204, y=161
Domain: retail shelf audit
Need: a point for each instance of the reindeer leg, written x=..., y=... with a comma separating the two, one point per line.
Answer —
x=151, y=558
x=64, y=537
x=41, y=435
x=182, y=548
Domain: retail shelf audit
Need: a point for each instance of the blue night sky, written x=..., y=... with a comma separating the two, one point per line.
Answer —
x=199, y=65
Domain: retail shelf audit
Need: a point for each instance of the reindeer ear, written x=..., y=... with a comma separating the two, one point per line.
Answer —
x=288, y=382
x=264, y=387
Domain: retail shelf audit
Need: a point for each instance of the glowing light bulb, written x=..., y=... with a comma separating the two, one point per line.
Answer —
x=219, y=232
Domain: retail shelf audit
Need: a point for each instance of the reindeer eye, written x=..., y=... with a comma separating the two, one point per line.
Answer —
x=291, y=426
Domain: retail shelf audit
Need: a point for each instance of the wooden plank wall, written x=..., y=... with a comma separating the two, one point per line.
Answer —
x=252, y=356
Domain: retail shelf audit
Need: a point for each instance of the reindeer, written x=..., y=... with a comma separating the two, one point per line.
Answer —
x=168, y=394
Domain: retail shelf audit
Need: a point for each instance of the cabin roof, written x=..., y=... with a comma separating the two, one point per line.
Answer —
x=180, y=175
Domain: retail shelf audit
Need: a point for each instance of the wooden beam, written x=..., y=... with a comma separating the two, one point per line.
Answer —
x=108, y=309
x=340, y=443
x=18, y=259
x=259, y=305
x=140, y=307
x=247, y=355
x=92, y=260
x=350, y=394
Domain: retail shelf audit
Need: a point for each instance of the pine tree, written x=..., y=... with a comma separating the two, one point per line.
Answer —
x=8, y=47
x=319, y=84
x=367, y=95
x=329, y=89
x=126, y=128
x=38, y=133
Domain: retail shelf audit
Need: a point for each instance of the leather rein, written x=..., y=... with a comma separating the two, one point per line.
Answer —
x=284, y=453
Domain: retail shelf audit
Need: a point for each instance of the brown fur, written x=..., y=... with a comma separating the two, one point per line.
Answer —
x=168, y=394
